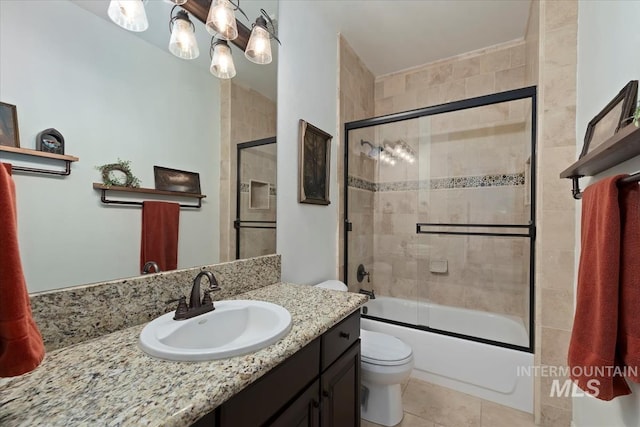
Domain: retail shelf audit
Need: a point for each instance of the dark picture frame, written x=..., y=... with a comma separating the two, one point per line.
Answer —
x=9, y=134
x=615, y=115
x=313, y=166
x=167, y=179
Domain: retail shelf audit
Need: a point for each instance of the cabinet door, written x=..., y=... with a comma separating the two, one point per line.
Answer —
x=302, y=412
x=340, y=388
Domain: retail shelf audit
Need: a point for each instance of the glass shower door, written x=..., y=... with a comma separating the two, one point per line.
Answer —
x=255, y=222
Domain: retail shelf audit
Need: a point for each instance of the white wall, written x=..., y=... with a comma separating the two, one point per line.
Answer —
x=112, y=96
x=307, y=89
x=607, y=37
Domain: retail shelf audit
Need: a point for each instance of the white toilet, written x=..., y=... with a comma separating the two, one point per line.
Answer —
x=386, y=361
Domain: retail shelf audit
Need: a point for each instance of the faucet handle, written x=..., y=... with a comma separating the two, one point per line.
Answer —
x=182, y=308
x=206, y=299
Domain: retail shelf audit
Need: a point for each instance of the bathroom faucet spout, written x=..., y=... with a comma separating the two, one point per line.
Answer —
x=197, y=307
x=194, y=300
x=148, y=266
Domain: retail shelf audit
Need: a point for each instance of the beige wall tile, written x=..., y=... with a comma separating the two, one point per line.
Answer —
x=559, y=127
x=555, y=417
x=559, y=86
x=557, y=308
x=555, y=345
x=559, y=13
x=560, y=45
x=510, y=79
x=466, y=68
x=440, y=74
x=481, y=84
x=517, y=55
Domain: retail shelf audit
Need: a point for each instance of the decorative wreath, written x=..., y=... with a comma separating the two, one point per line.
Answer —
x=108, y=178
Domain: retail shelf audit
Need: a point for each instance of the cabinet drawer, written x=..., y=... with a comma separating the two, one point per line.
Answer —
x=339, y=338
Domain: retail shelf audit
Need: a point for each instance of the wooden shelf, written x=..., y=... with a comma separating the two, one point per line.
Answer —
x=43, y=155
x=623, y=146
x=152, y=191
x=37, y=153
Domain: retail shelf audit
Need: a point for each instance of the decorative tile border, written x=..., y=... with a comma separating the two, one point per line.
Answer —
x=478, y=181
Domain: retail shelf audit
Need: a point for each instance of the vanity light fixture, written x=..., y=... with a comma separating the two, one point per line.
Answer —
x=178, y=2
x=259, y=45
x=129, y=14
x=221, y=20
x=222, y=65
x=183, y=42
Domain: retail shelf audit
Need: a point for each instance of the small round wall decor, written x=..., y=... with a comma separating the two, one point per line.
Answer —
x=118, y=174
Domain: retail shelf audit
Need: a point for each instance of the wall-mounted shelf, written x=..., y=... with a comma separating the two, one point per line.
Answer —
x=35, y=153
x=622, y=146
x=104, y=188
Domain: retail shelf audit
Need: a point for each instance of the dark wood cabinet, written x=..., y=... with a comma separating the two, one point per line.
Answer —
x=340, y=385
x=317, y=386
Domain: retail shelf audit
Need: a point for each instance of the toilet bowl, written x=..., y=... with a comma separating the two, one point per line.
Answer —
x=386, y=362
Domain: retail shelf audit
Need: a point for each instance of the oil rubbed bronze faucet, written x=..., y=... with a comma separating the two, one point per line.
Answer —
x=196, y=307
x=148, y=266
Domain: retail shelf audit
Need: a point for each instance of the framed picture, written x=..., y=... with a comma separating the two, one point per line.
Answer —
x=615, y=115
x=9, y=135
x=313, y=166
x=176, y=180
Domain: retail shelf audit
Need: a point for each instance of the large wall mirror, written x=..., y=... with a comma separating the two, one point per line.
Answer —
x=115, y=94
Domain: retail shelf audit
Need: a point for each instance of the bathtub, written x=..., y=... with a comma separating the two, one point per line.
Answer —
x=483, y=370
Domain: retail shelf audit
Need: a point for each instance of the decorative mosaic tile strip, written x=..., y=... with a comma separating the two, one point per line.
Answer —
x=499, y=180
x=244, y=188
x=362, y=184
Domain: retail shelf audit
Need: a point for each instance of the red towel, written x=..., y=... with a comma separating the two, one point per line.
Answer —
x=605, y=328
x=21, y=346
x=160, y=222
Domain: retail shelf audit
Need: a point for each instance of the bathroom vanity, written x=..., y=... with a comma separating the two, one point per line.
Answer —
x=317, y=386
x=310, y=376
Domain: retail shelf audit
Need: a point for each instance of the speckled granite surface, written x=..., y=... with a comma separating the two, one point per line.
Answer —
x=109, y=381
x=73, y=315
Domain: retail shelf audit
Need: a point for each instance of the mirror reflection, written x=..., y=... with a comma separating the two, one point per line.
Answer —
x=118, y=95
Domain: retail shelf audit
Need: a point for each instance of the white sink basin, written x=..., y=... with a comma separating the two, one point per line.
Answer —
x=235, y=327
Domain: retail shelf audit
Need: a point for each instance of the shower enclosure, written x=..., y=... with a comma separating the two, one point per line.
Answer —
x=440, y=211
x=255, y=222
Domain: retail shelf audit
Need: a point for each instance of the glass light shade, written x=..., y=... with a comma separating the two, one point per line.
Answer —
x=259, y=46
x=221, y=20
x=183, y=42
x=178, y=2
x=222, y=65
x=129, y=14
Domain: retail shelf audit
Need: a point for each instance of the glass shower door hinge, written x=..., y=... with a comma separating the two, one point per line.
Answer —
x=348, y=225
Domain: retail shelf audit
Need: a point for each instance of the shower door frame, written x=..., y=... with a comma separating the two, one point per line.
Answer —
x=480, y=101
x=238, y=223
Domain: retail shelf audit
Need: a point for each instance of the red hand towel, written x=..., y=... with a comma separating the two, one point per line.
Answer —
x=160, y=223
x=629, y=320
x=592, y=349
x=21, y=346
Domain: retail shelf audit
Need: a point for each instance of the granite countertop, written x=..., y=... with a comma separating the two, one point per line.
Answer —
x=111, y=381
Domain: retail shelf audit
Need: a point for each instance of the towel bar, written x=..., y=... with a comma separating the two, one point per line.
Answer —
x=104, y=188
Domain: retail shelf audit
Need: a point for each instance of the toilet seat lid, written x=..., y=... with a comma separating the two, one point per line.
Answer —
x=382, y=349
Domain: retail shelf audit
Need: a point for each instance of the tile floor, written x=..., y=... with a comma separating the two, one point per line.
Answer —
x=429, y=405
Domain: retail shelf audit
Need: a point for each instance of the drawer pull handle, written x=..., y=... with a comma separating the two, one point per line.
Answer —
x=345, y=335
x=326, y=394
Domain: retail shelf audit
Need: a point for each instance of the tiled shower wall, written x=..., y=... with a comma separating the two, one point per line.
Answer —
x=246, y=115
x=258, y=199
x=480, y=145
x=356, y=103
